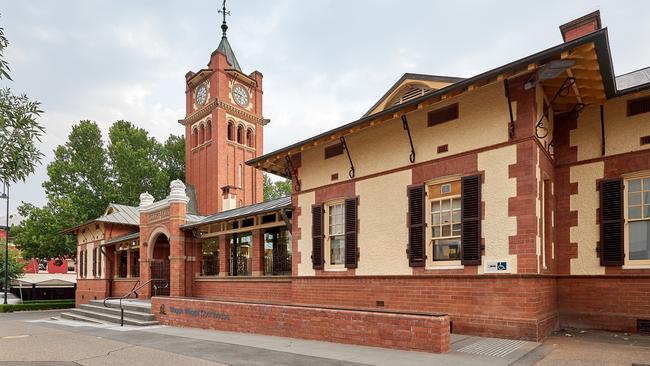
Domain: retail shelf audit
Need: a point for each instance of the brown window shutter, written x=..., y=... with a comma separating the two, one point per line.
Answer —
x=471, y=220
x=317, y=253
x=611, y=222
x=351, y=233
x=417, y=227
x=94, y=262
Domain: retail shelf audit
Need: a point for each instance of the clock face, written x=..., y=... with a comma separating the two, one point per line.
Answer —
x=240, y=95
x=201, y=94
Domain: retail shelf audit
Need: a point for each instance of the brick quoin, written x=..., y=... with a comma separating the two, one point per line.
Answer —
x=414, y=332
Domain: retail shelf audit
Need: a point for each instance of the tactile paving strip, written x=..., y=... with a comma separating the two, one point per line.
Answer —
x=492, y=347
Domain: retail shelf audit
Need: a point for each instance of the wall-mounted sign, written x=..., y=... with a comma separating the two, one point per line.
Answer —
x=496, y=266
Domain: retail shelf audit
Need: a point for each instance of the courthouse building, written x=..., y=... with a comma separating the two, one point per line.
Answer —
x=516, y=201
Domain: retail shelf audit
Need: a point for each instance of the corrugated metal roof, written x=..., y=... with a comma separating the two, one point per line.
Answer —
x=256, y=209
x=122, y=214
x=123, y=238
x=190, y=218
x=633, y=79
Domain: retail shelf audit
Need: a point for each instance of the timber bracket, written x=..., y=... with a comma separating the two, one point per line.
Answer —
x=285, y=218
x=291, y=172
x=347, y=151
x=405, y=126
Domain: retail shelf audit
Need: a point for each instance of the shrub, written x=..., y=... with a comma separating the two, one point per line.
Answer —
x=36, y=306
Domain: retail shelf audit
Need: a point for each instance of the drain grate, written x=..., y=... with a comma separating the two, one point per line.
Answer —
x=492, y=347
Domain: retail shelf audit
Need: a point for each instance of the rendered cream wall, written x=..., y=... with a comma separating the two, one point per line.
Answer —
x=587, y=233
x=90, y=235
x=497, y=188
x=386, y=146
x=383, y=234
x=538, y=209
x=622, y=133
x=305, y=201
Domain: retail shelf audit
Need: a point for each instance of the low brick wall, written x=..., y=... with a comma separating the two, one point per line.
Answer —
x=408, y=331
x=604, y=302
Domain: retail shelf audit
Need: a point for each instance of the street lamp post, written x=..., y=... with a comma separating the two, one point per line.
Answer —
x=5, y=195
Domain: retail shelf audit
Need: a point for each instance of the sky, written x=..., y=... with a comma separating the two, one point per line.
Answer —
x=325, y=63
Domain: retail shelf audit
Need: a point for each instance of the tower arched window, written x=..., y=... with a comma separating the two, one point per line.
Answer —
x=195, y=137
x=208, y=131
x=202, y=134
x=231, y=131
x=249, y=138
x=240, y=134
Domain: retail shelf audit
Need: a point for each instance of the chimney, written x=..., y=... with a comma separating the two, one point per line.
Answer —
x=581, y=26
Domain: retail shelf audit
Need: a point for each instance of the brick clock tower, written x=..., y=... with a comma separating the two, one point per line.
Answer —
x=223, y=129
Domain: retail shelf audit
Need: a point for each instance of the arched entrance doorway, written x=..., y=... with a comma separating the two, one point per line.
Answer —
x=160, y=267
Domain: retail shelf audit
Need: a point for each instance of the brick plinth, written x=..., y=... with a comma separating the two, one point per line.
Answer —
x=88, y=289
x=416, y=332
x=604, y=302
x=511, y=306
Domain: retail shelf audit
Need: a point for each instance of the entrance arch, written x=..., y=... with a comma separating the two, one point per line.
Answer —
x=159, y=251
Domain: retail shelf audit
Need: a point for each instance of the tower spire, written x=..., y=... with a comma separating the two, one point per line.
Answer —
x=224, y=26
x=224, y=45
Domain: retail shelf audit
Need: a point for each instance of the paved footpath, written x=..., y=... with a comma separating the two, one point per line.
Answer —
x=31, y=338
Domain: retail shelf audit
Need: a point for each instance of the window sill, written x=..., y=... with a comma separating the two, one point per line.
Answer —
x=453, y=266
x=335, y=269
x=636, y=266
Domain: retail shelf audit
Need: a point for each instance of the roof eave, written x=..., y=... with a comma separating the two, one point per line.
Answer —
x=599, y=36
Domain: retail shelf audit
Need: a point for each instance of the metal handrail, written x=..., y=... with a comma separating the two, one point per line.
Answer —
x=134, y=291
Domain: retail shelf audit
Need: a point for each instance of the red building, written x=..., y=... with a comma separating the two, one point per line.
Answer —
x=510, y=203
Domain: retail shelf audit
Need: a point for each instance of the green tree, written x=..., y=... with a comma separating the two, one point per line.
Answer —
x=85, y=176
x=80, y=174
x=19, y=129
x=39, y=234
x=16, y=265
x=172, y=156
x=274, y=190
x=136, y=160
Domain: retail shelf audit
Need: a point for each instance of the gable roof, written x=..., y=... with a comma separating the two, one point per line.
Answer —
x=412, y=76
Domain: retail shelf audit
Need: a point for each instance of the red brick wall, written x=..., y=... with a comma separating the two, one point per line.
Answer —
x=429, y=333
x=604, y=302
x=488, y=305
x=122, y=287
x=90, y=290
x=245, y=290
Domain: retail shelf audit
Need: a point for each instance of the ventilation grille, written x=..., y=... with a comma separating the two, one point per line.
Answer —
x=442, y=115
x=411, y=93
x=643, y=325
x=645, y=140
x=638, y=106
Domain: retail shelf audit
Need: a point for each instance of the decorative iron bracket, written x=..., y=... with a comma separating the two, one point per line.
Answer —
x=405, y=125
x=511, y=124
x=345, y=146
x=291, y=172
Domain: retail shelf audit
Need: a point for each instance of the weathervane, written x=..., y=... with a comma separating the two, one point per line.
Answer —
x=224, y=26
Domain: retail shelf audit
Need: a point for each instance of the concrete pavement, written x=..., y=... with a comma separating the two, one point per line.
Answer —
x=35, y=336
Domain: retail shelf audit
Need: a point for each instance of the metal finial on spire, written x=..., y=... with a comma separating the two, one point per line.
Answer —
x=224, y=26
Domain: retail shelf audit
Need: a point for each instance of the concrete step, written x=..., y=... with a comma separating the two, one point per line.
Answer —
x=138, y=315
x=130, y=305
x=77, y=317
x=110, y=318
